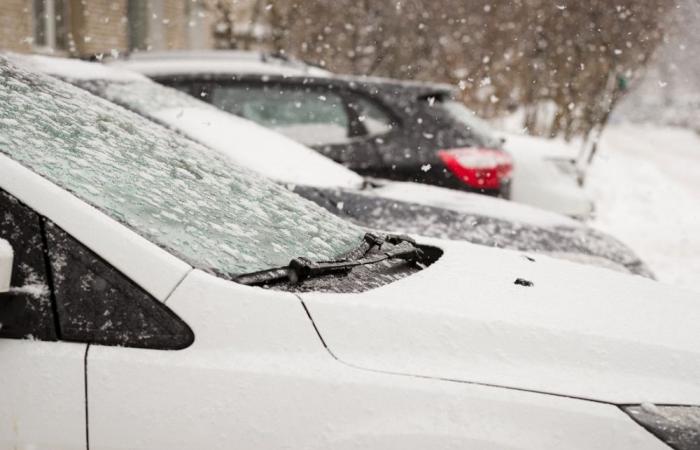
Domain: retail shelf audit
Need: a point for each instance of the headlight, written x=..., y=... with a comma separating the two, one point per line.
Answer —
x=677, y=426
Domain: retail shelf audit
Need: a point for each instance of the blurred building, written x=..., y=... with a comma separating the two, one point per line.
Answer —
x=88, y=27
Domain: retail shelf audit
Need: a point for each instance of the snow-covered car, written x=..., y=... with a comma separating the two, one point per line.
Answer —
x=411, y=130
x=130, y=321
x=397, y=206
x=547, y=175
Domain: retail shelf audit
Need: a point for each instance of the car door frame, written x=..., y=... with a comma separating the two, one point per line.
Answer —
x=150, y=267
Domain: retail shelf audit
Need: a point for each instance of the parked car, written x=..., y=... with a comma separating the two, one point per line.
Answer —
x=128, y=323
x=397, y=206
x=382, y=128
x=379, y=127
x=547, y=175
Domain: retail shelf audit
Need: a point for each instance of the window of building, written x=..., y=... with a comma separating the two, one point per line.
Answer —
x=137, y=15
x=51, y=24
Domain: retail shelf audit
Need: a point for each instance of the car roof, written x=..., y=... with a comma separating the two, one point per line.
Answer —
x=193, y=62
x=252, y=64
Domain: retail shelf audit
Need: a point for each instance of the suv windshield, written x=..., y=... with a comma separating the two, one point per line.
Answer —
x=182, y=196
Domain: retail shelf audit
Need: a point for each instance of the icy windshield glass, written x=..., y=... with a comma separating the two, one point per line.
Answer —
x=180, y=195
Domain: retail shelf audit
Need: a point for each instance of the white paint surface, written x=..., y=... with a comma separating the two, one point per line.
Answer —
x=257, y=376
x=42, y=395
x=579, y=331
x=538, y=182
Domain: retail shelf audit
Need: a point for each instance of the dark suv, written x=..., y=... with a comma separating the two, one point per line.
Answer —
x=381, y=128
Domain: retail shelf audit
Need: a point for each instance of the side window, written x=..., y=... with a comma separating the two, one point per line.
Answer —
x=371, y=116
x=97, y=304
x=25, y=312
x=307, y=115
x=60, y=290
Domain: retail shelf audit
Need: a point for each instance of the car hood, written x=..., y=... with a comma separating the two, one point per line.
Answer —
x=504, y=318
x=467, y=202
x=257, y=148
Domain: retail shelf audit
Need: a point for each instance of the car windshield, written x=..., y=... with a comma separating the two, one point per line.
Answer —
x=180, y=195
x=466, y=116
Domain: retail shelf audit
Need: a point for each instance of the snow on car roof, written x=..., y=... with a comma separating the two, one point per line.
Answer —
x=75, y=69
x=215, y=62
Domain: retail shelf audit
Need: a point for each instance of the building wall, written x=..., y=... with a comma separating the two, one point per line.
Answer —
x=101, y=26
x=15, y=25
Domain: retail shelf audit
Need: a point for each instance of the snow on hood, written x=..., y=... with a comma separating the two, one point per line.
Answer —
x=561, y=328
x=75, y=69
x=470, y=203
x=257, y=148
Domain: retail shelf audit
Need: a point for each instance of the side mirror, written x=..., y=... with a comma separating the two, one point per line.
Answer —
x=6, y=257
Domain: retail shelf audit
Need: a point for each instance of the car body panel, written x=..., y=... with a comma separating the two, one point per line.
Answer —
x=42, y=395
x=257, y=373
x=538, y=179
x=575, y=330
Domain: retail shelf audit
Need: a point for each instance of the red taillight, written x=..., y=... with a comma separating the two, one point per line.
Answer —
x=480, y=168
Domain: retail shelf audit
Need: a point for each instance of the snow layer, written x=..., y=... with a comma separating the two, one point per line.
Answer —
x=76, y=70
x=646, y=185
x=213, y=66
x=250, y=145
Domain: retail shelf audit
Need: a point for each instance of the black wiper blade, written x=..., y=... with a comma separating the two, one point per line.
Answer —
x=300, y=269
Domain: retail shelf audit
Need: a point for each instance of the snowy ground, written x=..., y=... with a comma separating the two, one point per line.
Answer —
x=646, y=183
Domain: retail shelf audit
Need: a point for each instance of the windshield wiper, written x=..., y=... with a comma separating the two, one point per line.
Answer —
x=300, y=269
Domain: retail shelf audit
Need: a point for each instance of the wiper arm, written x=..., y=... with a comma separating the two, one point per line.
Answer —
x=300, y=269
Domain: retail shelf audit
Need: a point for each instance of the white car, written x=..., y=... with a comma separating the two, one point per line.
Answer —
x=546, y=175
x=129, y=322
x=397, y=206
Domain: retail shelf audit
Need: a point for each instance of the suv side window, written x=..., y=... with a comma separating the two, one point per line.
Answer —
x=308, y=115
x=25, y=312
x=375, y=121
x=99, y=305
